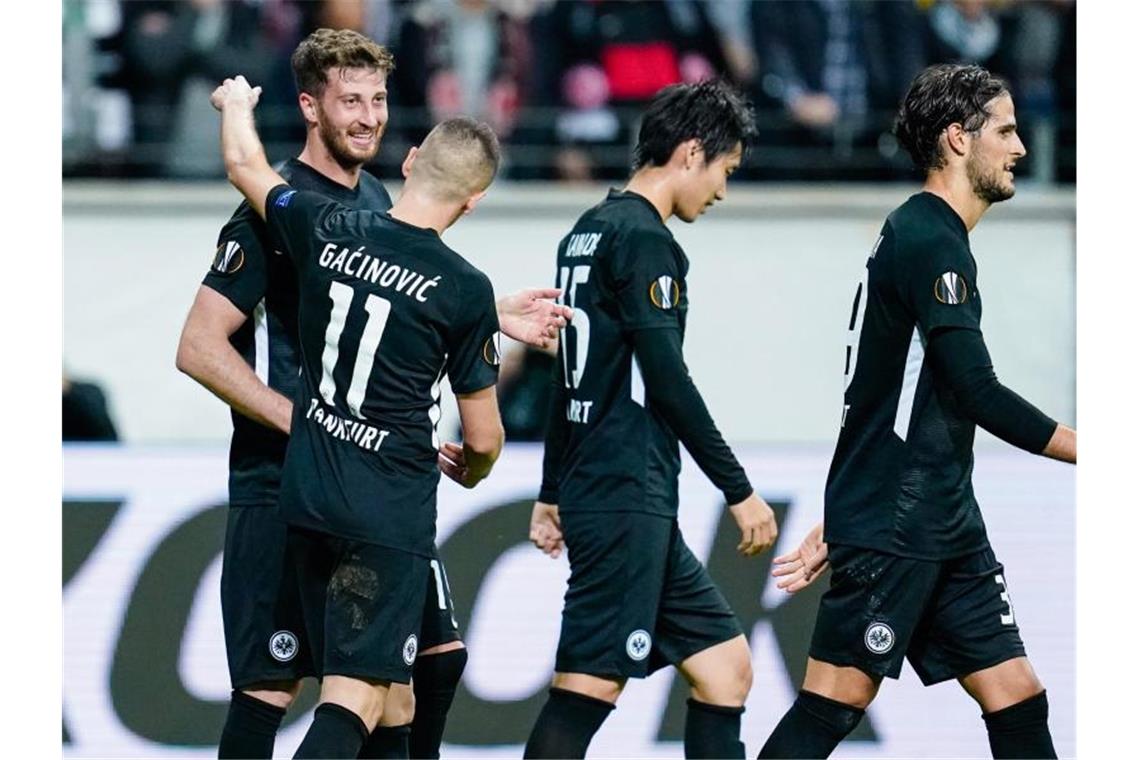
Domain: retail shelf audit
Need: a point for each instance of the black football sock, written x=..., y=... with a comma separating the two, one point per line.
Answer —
x=387, y=742
x=336, y=732
x=251, y=727
x=712, y=730
x=1021, y=730
x=566, y=725
x=434, y=680
x=811, y=728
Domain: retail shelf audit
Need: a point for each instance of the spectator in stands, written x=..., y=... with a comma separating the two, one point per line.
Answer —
x=600, y=62
x=837, y=68
x=174, y=53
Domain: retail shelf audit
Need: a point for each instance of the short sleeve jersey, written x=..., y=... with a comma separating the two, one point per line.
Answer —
x=385, y=311
x=900, y=479
x=621, y=271
x=252, y=271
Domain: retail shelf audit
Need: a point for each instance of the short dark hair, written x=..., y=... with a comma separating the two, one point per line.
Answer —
x=712, y=112
x=941, y=95
x=458, y=158
x=327, y=49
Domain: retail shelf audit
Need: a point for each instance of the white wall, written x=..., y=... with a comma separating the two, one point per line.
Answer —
x=772, y=278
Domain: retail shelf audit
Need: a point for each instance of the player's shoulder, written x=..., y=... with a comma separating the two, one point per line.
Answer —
x=623, y=218
x=923, y=225
x=371, y=185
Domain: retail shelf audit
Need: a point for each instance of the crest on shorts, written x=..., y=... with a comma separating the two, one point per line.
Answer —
x=638, y=644
x=411, y=647
x=879, y=638
x=951, y=289
x=491, y=351
x=283, y=646
x=228, y=258
x=664, y=292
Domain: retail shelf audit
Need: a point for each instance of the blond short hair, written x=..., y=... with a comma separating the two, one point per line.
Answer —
x=457, y=159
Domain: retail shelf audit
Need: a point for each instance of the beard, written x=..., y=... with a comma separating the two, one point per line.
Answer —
x=990, y=186
x=339, y=147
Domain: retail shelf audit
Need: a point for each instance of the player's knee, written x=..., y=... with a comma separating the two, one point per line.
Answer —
x=727, y=680
x=277, y=693
x=399, y=706
x=605, y=689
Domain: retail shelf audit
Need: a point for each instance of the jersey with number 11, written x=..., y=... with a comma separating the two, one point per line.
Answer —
x=385, y=311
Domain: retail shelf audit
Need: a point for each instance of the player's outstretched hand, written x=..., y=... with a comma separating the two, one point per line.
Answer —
x=530, y=316
x=453, y=464
x=235, y=91
x=757, y=525
x=546, y=529
x=798, y=569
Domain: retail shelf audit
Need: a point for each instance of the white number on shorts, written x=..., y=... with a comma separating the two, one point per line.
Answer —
x=1005, y=619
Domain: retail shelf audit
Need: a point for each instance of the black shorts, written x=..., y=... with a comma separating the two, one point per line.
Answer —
x=261, y=611
x=949, y=618
x=439, y=625
x=362, y=604
x=637, y=598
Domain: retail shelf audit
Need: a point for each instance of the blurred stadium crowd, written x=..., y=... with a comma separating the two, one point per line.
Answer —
x=562, y=81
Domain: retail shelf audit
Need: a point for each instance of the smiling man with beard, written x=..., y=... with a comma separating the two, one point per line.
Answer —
x=914, y=576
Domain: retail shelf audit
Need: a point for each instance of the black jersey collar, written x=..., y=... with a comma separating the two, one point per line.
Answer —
x=332, y=188
x=947, y=210
x=616, y=194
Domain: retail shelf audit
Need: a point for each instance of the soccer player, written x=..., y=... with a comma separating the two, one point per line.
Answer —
x=240, y=341
x=637, y=598
x=385, y=310
x=913, y=574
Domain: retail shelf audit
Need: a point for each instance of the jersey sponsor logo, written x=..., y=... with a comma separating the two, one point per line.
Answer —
x=492, y=353
x=879, y=638
x=665, y=292
x=228, y=258
x=283, y=646
x=951, y=289
x=284, y=199
x=638, y=644
x=411, y=647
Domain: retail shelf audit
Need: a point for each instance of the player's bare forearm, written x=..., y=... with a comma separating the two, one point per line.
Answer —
x=483, y=434
x=242, y=152
x=1063, y=445
x=206, y=354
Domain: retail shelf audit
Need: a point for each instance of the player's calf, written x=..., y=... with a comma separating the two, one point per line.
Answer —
x=435, y=678
x=253, y=718
x=1014, y=708
x=577, y=706
x=390, y=738
x=720, y=677
x=826, y=710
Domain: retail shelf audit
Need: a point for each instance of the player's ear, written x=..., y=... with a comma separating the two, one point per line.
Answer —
x=687, y=155
x=469, y=206
x=406, y=168
x=308, y=106
x=957, y=139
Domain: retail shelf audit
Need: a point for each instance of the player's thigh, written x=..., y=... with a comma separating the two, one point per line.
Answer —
x=698, y=632
x=267, y=648
x=598, y=687
x=873, y=609
x=1003, y=685
x=617, y=572
x=439, y=630
x=972, y=626
x=399, y=705
x=841, y=683
x=373, y=612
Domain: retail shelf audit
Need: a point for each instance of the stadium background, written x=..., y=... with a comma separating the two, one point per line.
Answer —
x=773, y=273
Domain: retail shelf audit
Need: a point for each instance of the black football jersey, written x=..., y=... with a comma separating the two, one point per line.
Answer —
x=621, y=271
x=385, y=311
x=251, y=271
x=900, y=479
